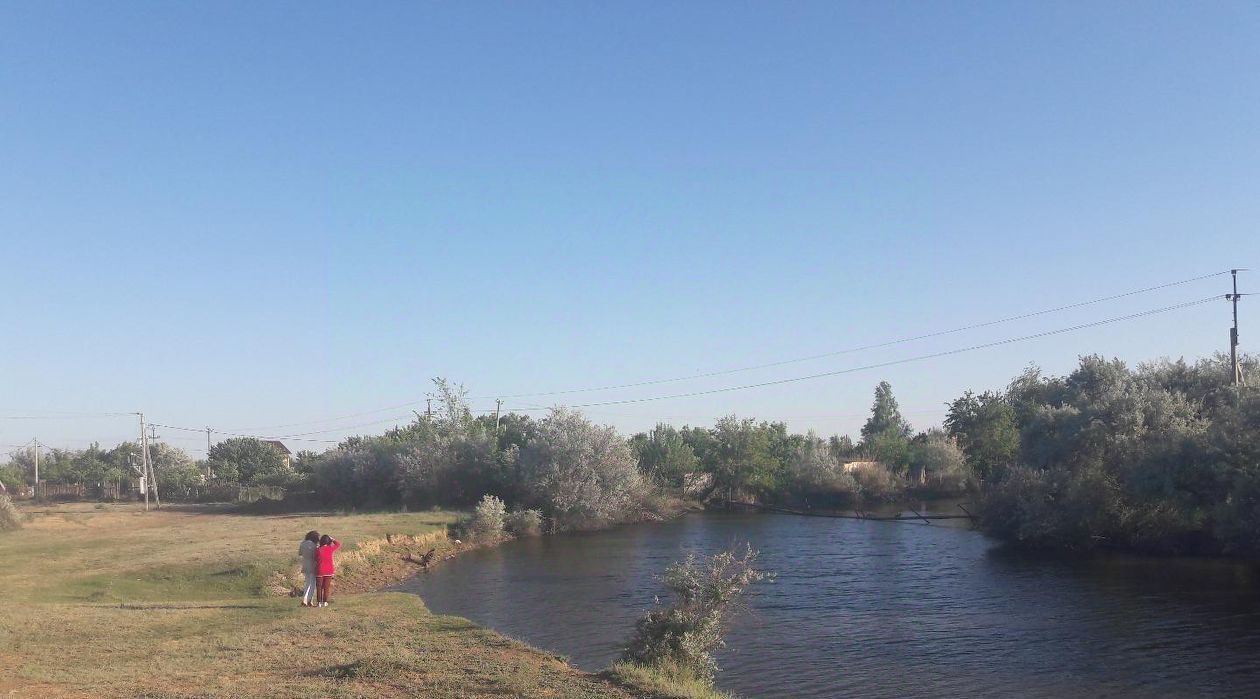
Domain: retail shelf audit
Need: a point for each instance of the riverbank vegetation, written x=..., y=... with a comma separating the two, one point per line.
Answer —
x=1161, y=458
x=562, y=471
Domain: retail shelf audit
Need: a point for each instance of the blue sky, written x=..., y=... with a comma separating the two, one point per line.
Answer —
x=254, y=214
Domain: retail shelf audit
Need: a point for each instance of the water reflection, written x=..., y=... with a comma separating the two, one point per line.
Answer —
x=877, y=609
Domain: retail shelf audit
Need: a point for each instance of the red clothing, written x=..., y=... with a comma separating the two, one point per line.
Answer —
x=324, y=559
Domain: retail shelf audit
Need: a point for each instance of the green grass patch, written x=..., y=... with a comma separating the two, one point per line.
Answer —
x=186, y=582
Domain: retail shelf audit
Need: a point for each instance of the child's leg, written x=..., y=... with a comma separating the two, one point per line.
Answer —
x=328, y=586
x=323, y=588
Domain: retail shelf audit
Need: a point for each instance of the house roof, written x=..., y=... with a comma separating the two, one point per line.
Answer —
x=279, y=445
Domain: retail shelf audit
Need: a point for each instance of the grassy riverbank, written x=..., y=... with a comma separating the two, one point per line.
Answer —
x=112, y=601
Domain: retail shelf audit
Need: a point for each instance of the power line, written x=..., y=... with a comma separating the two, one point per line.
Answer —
x=907, y=360
x=331, y=419
x=530, y=408
x=64, y=416
x=877, y=345
x=235, y=434
x=304, y=436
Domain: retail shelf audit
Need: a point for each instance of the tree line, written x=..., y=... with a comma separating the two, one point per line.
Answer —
x=579, y=473
x=1161, y=457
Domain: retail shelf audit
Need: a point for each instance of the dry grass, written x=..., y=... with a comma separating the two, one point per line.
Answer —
x=665, y=680
x=119, y=553
x=111, y=601
x=376, y=645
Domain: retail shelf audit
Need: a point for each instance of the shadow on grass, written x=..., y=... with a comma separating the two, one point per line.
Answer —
x=370, y=669
x=451, y=624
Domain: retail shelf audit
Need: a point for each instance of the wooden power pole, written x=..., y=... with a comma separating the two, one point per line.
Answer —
x=147, y=478
x=144, y=462
x=209, y=468
x=1235, y=367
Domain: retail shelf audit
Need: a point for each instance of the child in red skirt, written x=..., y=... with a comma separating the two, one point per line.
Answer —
x=324, y=567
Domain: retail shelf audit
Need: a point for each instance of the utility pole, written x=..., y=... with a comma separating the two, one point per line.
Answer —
x=498, y=405
x=1237, y=378
x=148, y=477
x=144, y=462
x=209, y=468
x=37, y=467
x=428, y=408
x=152, y=473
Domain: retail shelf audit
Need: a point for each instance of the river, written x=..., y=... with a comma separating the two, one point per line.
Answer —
x=879, y=609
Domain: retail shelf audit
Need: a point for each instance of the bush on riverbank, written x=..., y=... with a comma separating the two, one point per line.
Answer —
x=487, y=520
x=524, y=522
x=583, y=475
x=681, y=638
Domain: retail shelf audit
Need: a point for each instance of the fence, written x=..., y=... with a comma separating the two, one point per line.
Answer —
x=59, y=491
x=235, y=493
x=126, y=490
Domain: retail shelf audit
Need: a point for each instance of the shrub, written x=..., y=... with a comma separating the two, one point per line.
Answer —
x=524, y=522
x=10, y=517
x=813, y=469
x=1239, y=518
x=487, y=522
x=583, y=475
x=876, y=482
x=684, y=635
x=941, y=464
x=1077, y=509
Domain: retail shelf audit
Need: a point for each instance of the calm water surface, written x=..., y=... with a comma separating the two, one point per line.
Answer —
x=885, y=610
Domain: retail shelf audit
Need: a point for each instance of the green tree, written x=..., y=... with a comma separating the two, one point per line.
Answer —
x=891, y=449
x=841, y=446
x=885, y=415
x=984, y=426
x=253, y=461
x=741, y=456
x=702, y=443
x=664, y=456
x=12, y=475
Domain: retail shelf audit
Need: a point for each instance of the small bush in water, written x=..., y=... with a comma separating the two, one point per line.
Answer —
x=685, y=634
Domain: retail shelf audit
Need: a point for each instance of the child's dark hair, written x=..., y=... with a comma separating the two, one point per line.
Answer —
x=325, y=540
x=312, y=536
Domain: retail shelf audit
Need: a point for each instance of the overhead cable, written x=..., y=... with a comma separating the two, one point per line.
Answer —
x=907, y=360
x=850, y=350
